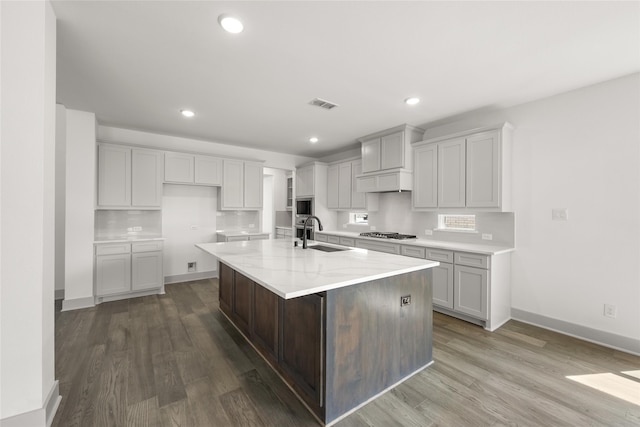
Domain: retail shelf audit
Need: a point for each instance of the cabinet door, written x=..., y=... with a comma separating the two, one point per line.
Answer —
x=253, y=183
x=470, y=291
x=146, y=178
x=225, y=287
x=443, y=285
x=265, y=321
x=302, y=346
x=333, y=187
x=232, y=184
x=242, y=302
x=425, y=177
x=371, y=155
x=146, y=271
x=304, y=181
x=392, y=151
x=113, y=274
x=358, y=199
x=344, y=186
x=178, y=168
x=114, y=176
x=208, y=170
x=451, y=173
x=483, y=170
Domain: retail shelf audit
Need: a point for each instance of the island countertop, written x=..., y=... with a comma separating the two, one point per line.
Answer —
x=292, y=272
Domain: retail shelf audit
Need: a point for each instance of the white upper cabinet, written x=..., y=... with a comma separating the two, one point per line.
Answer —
x=114, y=176
x=341, y=188
x=425, y=177
x=451, y=173
x=241, y=185
x=467, y=171
x=305, y=181
x=129, y=178
x=181, y=168
x=387, y=160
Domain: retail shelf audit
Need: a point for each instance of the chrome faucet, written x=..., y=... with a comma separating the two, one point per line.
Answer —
x=304, y=229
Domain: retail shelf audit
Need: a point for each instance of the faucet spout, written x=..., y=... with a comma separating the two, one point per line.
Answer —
x=304, y=229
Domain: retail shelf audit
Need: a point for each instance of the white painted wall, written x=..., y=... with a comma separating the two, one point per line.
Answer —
x=184, y=206
x=167, y=142
x=579, y=150
x=27, y=212
x=80, y=202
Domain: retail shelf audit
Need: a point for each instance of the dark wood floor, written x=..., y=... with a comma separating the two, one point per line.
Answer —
x=174, y=360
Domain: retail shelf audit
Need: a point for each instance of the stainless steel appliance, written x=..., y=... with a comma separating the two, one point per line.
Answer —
x=387, y=235
x=304, y=206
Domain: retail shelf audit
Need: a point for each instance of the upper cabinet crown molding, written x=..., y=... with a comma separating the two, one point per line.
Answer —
x=468, y=170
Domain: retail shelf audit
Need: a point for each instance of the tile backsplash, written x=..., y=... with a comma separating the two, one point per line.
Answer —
x=117, y=224
x=237, y=220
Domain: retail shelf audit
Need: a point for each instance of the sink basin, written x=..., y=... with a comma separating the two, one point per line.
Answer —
x=326, y=248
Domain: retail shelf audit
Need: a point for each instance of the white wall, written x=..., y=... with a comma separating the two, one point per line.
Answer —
x=28, y=391
x=184, y=206
x=174, y=143
x=579, y=150
x=60, y=191
x=80, y=202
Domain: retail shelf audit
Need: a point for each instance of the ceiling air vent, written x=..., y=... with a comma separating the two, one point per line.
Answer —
x=323, y=103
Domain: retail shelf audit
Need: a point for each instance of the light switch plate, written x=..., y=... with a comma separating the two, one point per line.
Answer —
x=487, y=236
x=372, y=228
x=428, y=232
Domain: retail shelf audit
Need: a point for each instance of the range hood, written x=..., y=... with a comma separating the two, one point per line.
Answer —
x=389, y=181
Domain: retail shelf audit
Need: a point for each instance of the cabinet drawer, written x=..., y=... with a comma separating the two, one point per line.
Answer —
x=320, y=237
x=347, y=241
x=113, y=249
x=389, y=248
x=333, y=239
x=440, y=255
x=472, y=260
x=147, y=246
x=413, y=251
x=259, y=237
x=237, y=238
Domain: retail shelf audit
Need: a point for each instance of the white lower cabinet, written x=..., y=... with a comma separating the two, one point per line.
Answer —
x=122, y=269
x=443, y=285
x=470, y=293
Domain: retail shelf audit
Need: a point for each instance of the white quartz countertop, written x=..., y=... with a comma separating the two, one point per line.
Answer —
x=429, y=243
x=292, y=272
x=127, y=240
x=239, y=233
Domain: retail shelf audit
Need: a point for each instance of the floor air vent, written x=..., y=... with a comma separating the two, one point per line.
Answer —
x=323, y=103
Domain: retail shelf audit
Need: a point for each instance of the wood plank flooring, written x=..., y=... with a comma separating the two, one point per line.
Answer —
x=174, y=360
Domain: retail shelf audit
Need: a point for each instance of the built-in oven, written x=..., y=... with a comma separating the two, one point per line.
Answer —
x=300, y=234
x=304, y=206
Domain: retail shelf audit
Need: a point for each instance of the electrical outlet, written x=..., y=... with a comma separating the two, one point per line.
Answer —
x=191, y=266
x=560, y=214
x=252, y=226
x=372, y=228
x=137, y=228
x=405, y=300
x=487, y=236
x=610, y=311
x=194, y=227
x=428, y=232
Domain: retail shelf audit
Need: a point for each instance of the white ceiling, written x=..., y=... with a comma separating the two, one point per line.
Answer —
x=136, y=64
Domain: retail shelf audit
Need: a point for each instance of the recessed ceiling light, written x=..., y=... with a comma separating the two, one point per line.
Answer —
x=313, y=139
x=412, y=101
x=230, y=24
x=187, y=113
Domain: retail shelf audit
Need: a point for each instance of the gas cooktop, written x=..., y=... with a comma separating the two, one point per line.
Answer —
x=387, y=235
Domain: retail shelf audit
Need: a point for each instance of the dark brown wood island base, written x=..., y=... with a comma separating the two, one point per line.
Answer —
x=341, y=348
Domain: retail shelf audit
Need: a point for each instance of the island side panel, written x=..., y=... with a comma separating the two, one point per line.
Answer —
x=371, y=341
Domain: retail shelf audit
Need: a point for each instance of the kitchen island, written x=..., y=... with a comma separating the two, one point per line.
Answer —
x=339, y=326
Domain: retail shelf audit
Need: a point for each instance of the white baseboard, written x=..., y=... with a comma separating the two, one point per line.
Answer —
x=607, y=339
x=41, y=417
x=190, y=277
x=77, y=303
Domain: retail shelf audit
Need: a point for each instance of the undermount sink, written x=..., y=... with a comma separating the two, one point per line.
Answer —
x=326, y=248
